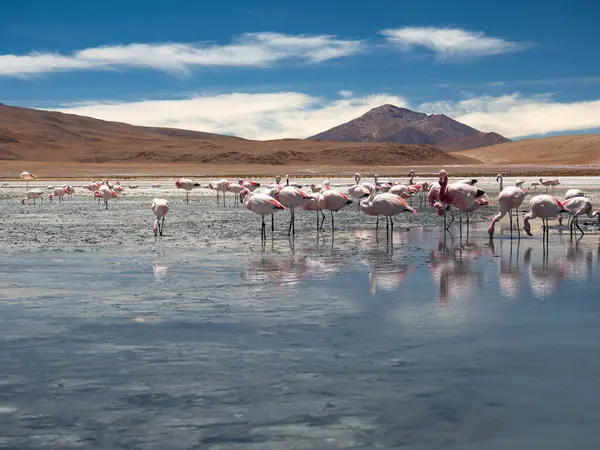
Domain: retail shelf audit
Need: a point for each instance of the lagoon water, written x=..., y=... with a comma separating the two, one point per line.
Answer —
x=207, y=339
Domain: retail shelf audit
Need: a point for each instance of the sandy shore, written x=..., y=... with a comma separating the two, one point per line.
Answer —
x=141, y=170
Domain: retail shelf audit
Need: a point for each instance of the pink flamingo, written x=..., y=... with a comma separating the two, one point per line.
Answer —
x=117, y=187
x=221, y=186
x=578, y=206
x=460, y=194
x=105, y=193
x=58, y=192
x=543, y=207
x=261, y=204
x=509, y=199
x=69, y=190
x=332, y=201
x=388, y=205
x=251, y=185
x=552, y=183
x=27, y=176
x=160, y=208
x=312, y=204
x=291, y=197
x=358, y=191
x=236, y=189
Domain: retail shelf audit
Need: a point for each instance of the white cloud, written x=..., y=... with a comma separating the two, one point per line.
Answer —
x=295, y=114
x=256, y=116
x=346, y=94
x=517, y=116
x=449, y=42
x=249, y=50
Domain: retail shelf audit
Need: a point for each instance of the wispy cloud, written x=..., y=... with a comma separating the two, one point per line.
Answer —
x=516, y=116
x=295, y=114
x=248, y=50
x=450, y=43
x=257, y=116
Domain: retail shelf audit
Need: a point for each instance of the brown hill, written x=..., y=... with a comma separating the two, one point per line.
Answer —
x=37, y=135
x=573, y=149
x=388, y=123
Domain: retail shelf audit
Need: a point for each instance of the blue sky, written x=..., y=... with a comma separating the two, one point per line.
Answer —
x=291, y=69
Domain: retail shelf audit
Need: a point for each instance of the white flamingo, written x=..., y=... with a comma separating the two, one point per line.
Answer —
x=160, y=208
x=33, y=194
x=106, y=194
x=236, y=189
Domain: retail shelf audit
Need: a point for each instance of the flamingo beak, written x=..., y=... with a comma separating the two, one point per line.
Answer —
x=22, y=201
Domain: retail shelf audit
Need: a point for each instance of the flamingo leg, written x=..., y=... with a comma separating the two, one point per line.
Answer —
x=272, y=224
x=162, y=225
x=377, y=224
x=187, y=198
x=263, y=232
x=322, y=219
x=577, y=225
x=518, y=226
x=392, y=223
x=332, y=224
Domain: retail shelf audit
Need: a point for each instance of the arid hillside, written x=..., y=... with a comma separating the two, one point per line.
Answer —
x=47, y=136
x=574, y=149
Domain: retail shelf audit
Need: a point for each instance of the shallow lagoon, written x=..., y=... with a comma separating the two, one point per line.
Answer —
x=208, y=339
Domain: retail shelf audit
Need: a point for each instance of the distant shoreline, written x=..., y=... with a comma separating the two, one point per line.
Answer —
x=10, y=170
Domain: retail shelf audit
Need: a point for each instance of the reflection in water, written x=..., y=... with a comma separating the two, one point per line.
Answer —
x=160, y=266
x=545, y=268
x=509, y=276
x=452, y=269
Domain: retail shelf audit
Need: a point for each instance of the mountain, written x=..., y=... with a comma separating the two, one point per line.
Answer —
x=569, y=149
x=47, y=136
x=388, y=123
x=26, y=124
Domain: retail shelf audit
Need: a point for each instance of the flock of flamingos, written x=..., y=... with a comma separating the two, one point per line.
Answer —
x=377, y=198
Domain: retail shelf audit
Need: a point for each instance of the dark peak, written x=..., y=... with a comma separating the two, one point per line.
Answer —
x=2, y=104
x=395, y=112
x=390, y=108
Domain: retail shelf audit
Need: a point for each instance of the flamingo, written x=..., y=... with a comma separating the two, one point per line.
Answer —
x=572, y=193
x=333, y=201
x=160, y=208
x=543, y=207
x=578, y=206
x=500, y=178
x=251, y=185
x=534, y=185
x=291, y=197
x=105, y=193
x=312, y=204
x=519, y=182
x=236, y=188
x=187, y=185
x=510, y=199
x=58, y=192
x=388, y=205
x=552, y=183
x=262, y=205
x=69, y=190
x=117, y=187
x=221, y=186
x=461, y=194
x=133, y=186
x=358, y=191
x=32, y=195
x=27, y=176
